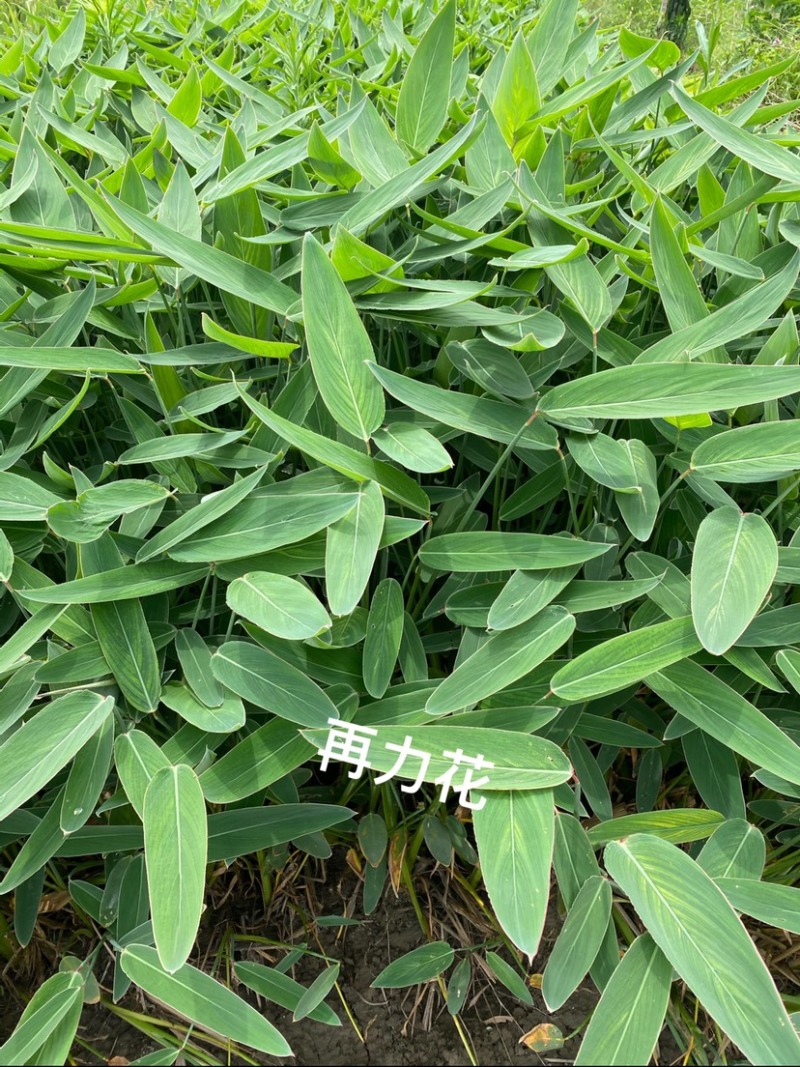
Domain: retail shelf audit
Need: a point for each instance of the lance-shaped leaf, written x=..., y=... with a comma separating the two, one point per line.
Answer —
x=515, y=834
x=122, y=631
x=350, y=550
x=278, y=604
x=578, y=942
x=31, y=756
x=175, y=848
x=624, y=660
x=493, y=551
x=425, y=87
x=520, y=761
x=338, y=346
x=420, y=965
x=702, y=698
x=203, y=1000
x=506, y=657
x=257, y=675
x=652, y=391
x=733, y=566
x=626, y=1024
x=759, y=453
x=700, y=934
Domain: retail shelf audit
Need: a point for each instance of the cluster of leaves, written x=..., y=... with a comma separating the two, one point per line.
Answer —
x=424, y=371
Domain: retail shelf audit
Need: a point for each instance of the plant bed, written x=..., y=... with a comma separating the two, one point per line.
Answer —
x=400, y=457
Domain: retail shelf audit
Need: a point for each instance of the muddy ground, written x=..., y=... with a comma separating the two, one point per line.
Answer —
x=392, y=1027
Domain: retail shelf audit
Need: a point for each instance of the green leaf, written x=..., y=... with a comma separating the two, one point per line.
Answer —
x=502, y=660
x=733, y=566
x=31, y=757
x=412, y=447
x=263, y=757
x=758, y=151
x=578, y=943
x=222, y=270
x=759, y=453
x=175, y=847
x=516, y=98
x=261, y=677
x=138, y=760
x=280, y=605
x=775, y=905
x=420, y=965
x=122, y=631
x=615, y=664
x=520, y=761
x=702, y=698
x=49, y=1005
x=347, y=461
x=338, y=346
x=477, y=415
x=699, y=933
x=203, y=1000
x=514, y=832
x=280, y=989
x=316, y=992
x=425, y=87
x=627, y=1022
x=657, y=392
x=481, y=552
x=350, y=550
x=383, y=636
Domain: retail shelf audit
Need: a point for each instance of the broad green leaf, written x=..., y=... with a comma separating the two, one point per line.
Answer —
x=759, y=453
x=175, y=847
x=483, y=552
x=624, y=660
x=350, y=550
x=394, y=483
x=263, y=757
x=276, y=515
x=760, y=152
x=212, y=507
x=122, y=630
x=119, y=583
x=420, y=965
x=203, y=1000
x=49, y=1005
x=425, y=87
x=578, y=942
x=654, y=391
x=225, y=718
x=520, y=761
x=699, y=933
x=514, y=832
x=87, y=777
x=279, y=988
x=32, y=756
x=412, y=447
x=775, y=905
x=494, y=419
x=706, y=700
x=733, y=566
x=338, y=346
x=627, y=1022
x=502, y=660
x=220, y=269
x=383, y=636
x=280, y=605
x=516, y=98
x=138, y=760
x=261, y=677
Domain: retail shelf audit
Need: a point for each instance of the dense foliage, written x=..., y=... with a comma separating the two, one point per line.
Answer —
x=434, y=371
